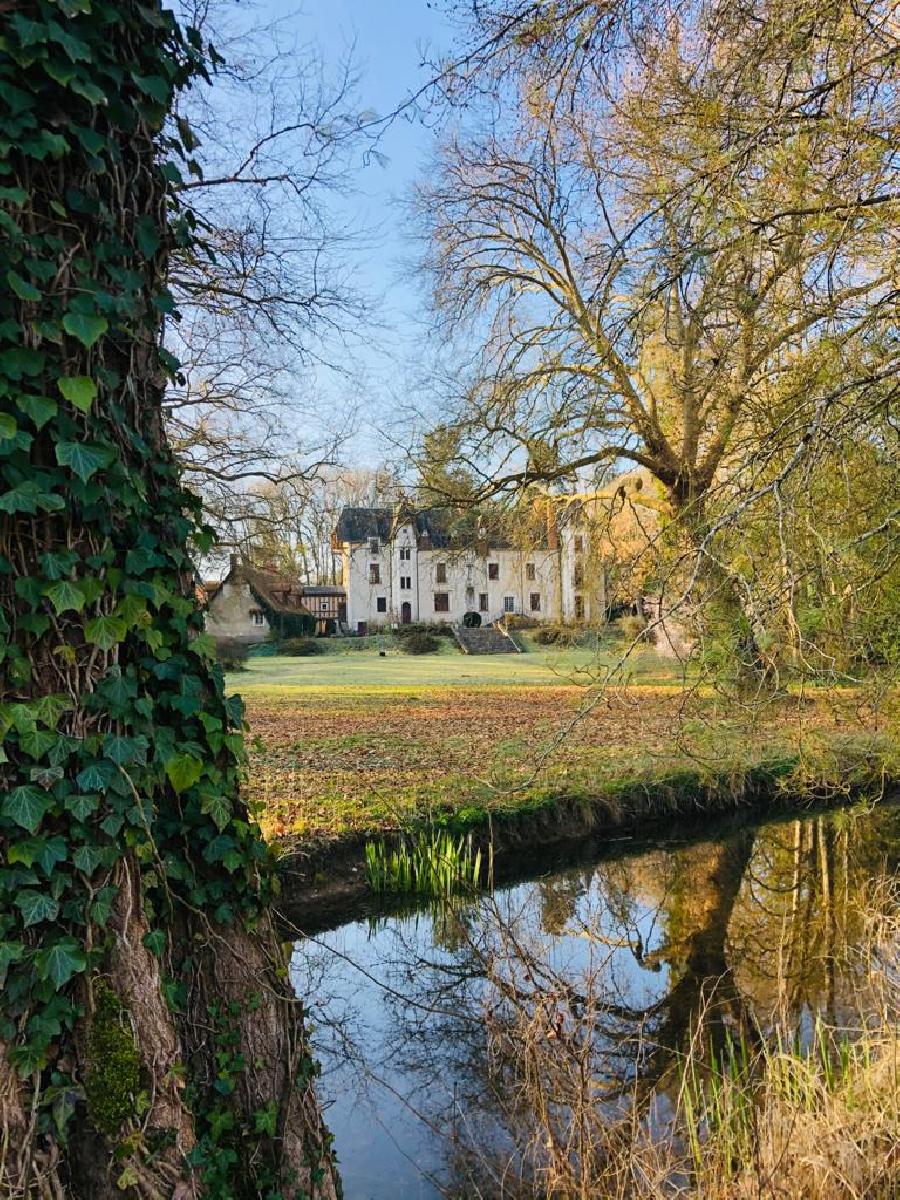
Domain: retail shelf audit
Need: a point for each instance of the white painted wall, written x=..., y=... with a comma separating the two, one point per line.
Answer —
x=467, y=579
x=230, y=616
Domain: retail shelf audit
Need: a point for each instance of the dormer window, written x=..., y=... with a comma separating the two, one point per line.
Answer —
x=441, y=576
x=373, y=546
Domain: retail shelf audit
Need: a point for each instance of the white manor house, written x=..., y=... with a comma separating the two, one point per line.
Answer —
x=402, y=566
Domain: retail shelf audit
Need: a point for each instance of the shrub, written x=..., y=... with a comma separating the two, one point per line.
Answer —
x=550, y=635
x=408, y=631
x=232, y=654
x=301, y=647
x=420, y=643
x=520, y=621
x=472, y=620
x=632, y=627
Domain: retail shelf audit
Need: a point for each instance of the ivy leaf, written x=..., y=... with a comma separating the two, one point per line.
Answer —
x=10, y=952
x=50, y=708
x=27, y=497
x=39, y=409
x=8, y=427
x=45, y=777
x=95, y=777
x=26, y=806
x=155, y=941
x=183, y=771
x=38, y=742
x=79, y=390
x=57, y=564
x=81, y=806
x=65, y=597
x=90, y=91
x=147, y=235
x=105, y=632
x=29, y=33
x=61, y=961
x=217, y=806
x=23, y=289
x=122, y=750
x=25, y=852
x=54, y=850
x=153, y=85
x=36, y=907
x=84, y=458
x=86, y=328
x=87, y=859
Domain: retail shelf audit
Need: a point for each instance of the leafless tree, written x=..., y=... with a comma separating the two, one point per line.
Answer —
x=269, y=310
x=674, y=229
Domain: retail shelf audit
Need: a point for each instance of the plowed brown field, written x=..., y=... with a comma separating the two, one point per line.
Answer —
x=325, y=763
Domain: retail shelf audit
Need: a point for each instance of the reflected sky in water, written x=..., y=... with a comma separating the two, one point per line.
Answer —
x=607, y=966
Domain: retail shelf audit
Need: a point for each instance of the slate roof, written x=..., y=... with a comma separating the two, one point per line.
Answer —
x=323, y=590
x=441, y=526
x=357, y=524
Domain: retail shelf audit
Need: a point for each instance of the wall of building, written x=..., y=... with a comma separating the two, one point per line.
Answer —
x=467, y=584
x=584, y=598
x=230, y=615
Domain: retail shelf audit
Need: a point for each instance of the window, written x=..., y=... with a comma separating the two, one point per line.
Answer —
x=441, y=573
x=535, y=601
x=482, y=601
x=405, y=553
x=470, y=597
x=493, y=570
x=441, y=602
x=374, y=573
x=578, y=576
x=373, y=545
x=381, y=604
x=579, y=543
x=405, y=583
x=529, y=571
x=257, y=617
x=509, y=604
x=324, y=605
x=579, y=608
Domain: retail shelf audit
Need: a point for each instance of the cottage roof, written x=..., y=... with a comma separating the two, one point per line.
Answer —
x=276, y=592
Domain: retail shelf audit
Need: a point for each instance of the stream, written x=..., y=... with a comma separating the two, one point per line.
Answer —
x=454, y=1041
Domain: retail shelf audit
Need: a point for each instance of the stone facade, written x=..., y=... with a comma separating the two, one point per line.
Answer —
x=398, y=568
x=242, y=608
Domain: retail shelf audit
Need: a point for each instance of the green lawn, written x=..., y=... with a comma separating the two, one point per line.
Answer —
x=366, y=669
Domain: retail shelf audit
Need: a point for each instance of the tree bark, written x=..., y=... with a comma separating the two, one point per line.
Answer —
x=151, y=1045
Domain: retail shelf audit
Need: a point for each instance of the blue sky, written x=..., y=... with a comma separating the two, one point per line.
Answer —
x=388, y=39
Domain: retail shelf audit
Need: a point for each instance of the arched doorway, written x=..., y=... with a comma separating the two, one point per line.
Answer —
x=405, y=613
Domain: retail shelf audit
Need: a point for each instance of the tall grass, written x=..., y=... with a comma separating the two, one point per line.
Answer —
x=825, y=1117
x=430, y=863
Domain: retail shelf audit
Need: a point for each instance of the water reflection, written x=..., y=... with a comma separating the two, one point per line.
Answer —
x=506, y=1047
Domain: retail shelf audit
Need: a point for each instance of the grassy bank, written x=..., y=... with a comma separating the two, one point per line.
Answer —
x=338, y=763
x=358, y=662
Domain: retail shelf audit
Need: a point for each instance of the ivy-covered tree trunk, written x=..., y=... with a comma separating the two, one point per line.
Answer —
x=149, y=1043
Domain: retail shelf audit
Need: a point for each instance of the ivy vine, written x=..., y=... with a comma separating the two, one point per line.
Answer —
x=117, y=738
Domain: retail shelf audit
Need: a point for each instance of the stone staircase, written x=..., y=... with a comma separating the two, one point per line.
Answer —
x=487, y=639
